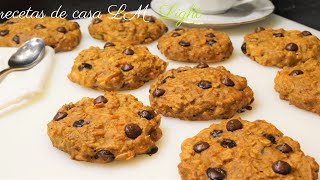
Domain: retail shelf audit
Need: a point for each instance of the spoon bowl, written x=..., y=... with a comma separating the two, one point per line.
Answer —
x=27, y=56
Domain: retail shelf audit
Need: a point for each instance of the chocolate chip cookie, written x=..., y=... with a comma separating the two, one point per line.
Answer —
x=60, y=34
x=116, y=67
x=300, y=85
x=196, y=45
x=104, y=129
x=239, y=149
x=127, y=27
x=279, y=47
x=200, y=93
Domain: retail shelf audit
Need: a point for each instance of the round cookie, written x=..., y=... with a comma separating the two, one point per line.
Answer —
x=116, y=67
x=127, y=27
x=300, y=85
x=60, y=34
x=239, y=149
x=196, y=45
x=200, y=93
x=278, y=47
x=110, y=127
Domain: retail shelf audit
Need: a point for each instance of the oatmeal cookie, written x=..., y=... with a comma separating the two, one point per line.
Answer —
x=200, y=93
x=60, y=34
x=239, y=149
x=300, y=85
x=279, y=47
x=196, y=45
x=127, y=27
x=110, y=127
x=116, y=67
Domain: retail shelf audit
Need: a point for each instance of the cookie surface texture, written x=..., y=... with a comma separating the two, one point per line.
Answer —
x=116, y=67
x=127, y=27
x=196, y=45
x=60, y=34
x=110, y=127
x=239, y=149
x=279, y=47
x=200, y=93
x=300, y=85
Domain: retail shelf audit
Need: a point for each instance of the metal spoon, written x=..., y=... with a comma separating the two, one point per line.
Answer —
x=26, y=57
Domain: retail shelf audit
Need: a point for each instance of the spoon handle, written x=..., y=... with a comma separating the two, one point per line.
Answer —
x=5, y=71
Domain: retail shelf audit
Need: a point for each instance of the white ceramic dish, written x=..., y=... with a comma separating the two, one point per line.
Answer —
x=27, y=153
x=247, y=13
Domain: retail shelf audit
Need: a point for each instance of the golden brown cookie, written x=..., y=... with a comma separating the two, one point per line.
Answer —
x=116, y=67
x=127, y=27
x=279, y=47
x=239, y=149
x=110, y=127
x=196, y=45
x=60, y=34
x=300, y=85
x=200, y=93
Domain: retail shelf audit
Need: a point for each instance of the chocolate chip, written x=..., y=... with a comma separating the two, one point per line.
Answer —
x=97, y=21
x=150, y=19
x=228, y=143
x=84, y=66
x=175, y=34
x=216, y=173
x=62, y=30
x=271, y=138
x=216, y=133
x=16, y=39
x=202, y=65
x=210, y=35
x=200, y=146
x=39, y=26
x=244, y=48
x=306, y=33
x=60, y=115
x=278, y=35
x=105, y=155
x=165, y=79
x=10, y=22
x=249, y=108
x=234, y=125
x=4, y=32
x=252, y=100
x=158, y=92
x=184, y=44
x=146, y=114
x=259, y=29
x=166, y=29
x=292, y=47
x=227, y=82
x=109, y=44
x=79, y=123
x=128, y=51
x=100, y=99
x=284, y=148
x=178, y=29
x=296, y=73
x=153, y=150
x=281, y=167
x=211, y=42
x=53, y=46
x=132, y=131
x=123, y=20
x=126, y=67
x=204, y=84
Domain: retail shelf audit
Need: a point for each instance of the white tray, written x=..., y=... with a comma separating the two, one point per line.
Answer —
x=27, y=153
